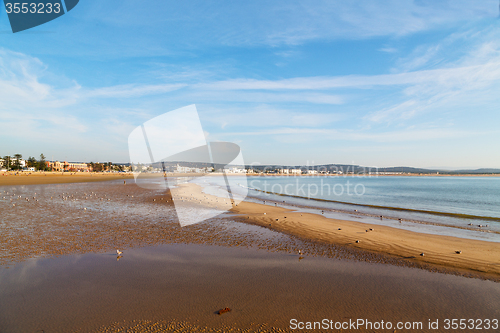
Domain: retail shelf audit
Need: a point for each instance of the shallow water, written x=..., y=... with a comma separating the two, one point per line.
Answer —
x=442, y=202
x=191, y=282
x=255, y=271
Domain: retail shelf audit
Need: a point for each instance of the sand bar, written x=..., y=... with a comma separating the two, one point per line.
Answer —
x=177, y=278
x=82, y=223
x=439, y=250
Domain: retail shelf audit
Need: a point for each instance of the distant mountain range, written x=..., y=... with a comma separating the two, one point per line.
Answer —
x=349, y=168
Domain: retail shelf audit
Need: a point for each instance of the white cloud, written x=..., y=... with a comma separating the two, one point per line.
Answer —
x=34, y=101
x=200, y=93
x=388, y=49
x=424, y=134
x=448, y=76
x=263, y=116
x=133, y=90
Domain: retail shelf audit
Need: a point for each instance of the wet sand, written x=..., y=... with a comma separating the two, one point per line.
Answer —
x=51, y=220
x=174, y=279
x=476, y=256
x=181, y=287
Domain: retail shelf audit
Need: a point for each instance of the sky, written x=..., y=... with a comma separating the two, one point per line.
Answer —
x=375, y=82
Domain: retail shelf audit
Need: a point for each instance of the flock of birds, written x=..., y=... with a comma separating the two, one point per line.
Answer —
x=71, y=197
x=64, y=196
x=300, y=252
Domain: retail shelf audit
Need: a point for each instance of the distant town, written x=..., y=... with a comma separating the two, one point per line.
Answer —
x=17, y=163
x=32, y=164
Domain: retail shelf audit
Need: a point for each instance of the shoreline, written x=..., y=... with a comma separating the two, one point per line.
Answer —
x=12, y=178
x=477, y=256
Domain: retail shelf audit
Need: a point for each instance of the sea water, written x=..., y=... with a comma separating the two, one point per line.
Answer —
x=466, y=207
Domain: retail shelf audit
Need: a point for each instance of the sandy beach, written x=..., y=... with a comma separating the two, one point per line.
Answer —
x=36, y=178
x=58, y=263
x=476, y=256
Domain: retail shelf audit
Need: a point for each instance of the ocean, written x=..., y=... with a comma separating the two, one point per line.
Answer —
x=467, y=207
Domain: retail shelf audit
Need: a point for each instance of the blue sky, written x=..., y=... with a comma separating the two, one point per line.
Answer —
x=377, y=83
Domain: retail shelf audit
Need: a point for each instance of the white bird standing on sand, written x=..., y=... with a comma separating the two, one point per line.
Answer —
x=118, y=252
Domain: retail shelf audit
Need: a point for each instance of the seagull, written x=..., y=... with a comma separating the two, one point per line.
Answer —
x=458, y=252
x=422, y=254
x=118, y=252
x=357, y=241
x=300, y=252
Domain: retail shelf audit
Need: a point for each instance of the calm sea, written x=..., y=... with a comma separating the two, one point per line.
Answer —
x=466, y=207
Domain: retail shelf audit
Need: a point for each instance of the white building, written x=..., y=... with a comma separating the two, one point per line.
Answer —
x=236, y=170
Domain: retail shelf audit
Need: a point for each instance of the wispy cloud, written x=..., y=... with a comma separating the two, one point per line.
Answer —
x=133, y=90
x=428, y=95
x=264, y=116
x=137, y=31
x=388, y=49
x=425, y=134
x=22, y=86
x=448, y=76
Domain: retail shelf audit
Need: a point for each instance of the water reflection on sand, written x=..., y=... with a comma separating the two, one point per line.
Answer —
x=186, y=274
x=190, y=282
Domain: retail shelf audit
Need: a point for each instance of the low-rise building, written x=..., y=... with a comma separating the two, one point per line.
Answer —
x=65, y=166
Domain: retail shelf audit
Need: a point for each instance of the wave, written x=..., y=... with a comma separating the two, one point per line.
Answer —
x=400, y=209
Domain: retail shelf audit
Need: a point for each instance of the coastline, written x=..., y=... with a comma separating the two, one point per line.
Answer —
x=60, y=254
x=37, y=177
x=477, y=256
